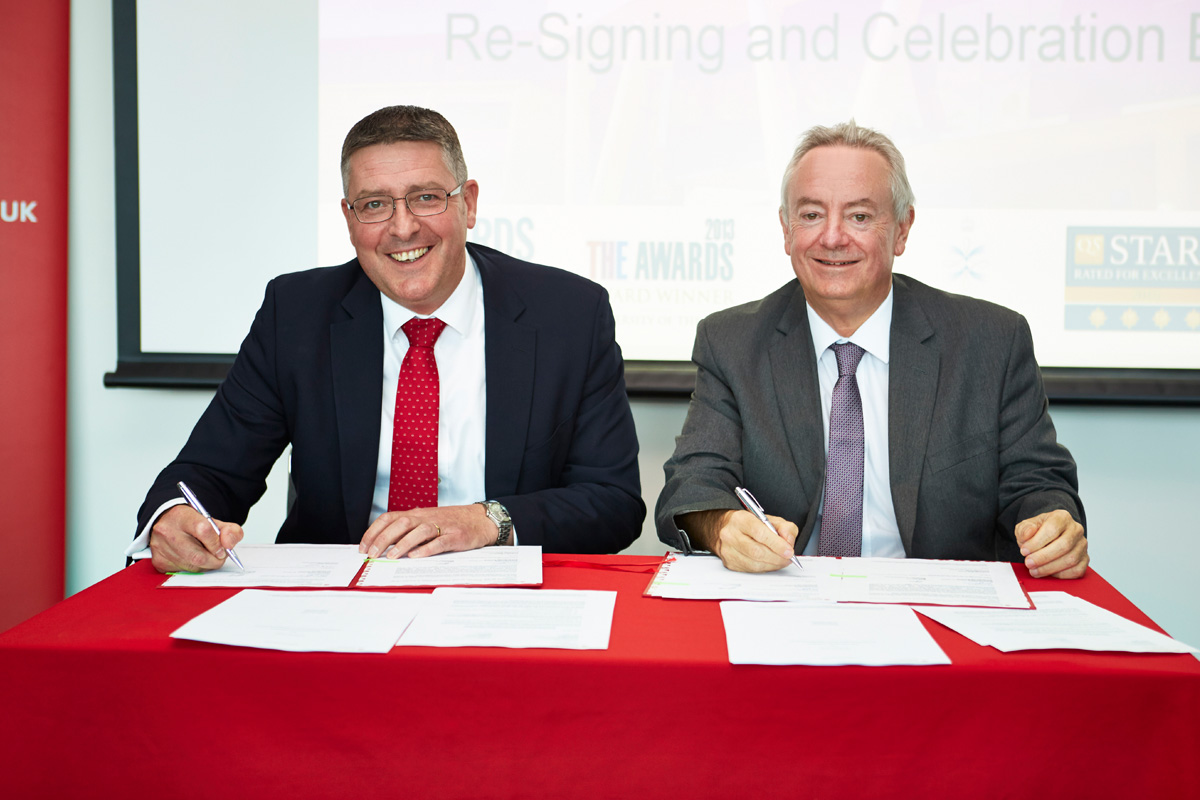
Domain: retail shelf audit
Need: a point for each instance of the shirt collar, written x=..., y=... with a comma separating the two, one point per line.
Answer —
x=874, y=335
x=457, y=312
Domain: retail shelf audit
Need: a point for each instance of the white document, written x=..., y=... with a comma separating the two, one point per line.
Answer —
x=702, y=577
x=1060, y=621
x=826, y=635
x=487, y=566
x=330, y=621
x=989, y=584
x=280, y=565
x=863, y=580
x=558, y=618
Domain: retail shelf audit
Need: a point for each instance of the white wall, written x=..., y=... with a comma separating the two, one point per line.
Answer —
x=1138, y=466
x=1139, y=475
x=117, y=439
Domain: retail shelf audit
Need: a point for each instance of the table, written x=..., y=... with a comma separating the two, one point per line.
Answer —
x=95, y=698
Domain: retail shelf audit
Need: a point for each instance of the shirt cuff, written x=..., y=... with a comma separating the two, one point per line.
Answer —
x=139, y=548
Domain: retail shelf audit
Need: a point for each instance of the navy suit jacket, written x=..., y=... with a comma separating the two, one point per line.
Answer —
x=971, y=447
x=561, y=450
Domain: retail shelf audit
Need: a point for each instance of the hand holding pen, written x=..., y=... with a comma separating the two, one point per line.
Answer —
x=194, y=502
x=751, y=505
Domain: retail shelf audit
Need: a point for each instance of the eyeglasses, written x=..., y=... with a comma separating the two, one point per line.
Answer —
x=421, y=203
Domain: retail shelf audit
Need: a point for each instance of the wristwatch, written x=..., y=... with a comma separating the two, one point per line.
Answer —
x=499, y=515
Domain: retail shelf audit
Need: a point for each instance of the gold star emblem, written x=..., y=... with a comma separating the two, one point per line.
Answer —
x=1161, y=318
x=1129, y=318
x=1098, y=318
x=1193, y=319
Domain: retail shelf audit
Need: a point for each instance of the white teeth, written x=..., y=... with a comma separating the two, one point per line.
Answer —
x=410, y=255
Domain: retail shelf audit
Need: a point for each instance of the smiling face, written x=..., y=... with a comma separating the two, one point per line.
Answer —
x=840, y=231
x=416, y=261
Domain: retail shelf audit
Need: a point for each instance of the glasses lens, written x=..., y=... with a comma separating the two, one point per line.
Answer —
x=373, y=209
x=426, y=202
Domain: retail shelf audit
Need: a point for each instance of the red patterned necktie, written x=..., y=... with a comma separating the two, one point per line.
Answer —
x=841, y=522
x=414, y=478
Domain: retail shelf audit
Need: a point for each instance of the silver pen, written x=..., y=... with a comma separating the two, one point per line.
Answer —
x=754, y=508
x=194, y=502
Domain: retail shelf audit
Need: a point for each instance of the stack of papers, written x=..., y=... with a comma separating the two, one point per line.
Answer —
x=488, y=566
x=1061, y=621
x=556, y=618
x=826, y=635
x=371, y=622
x=296, y=565
x=334, y=622
x=328, y=565
x=863, y=580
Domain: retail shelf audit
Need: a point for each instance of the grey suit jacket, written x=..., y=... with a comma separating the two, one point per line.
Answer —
x=972, y=449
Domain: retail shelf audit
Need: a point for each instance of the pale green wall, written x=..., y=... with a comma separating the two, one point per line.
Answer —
x=1138, y=466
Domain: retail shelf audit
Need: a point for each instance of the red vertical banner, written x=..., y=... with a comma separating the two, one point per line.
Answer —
x=34, y=93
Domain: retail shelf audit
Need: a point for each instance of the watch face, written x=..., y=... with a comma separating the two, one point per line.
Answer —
x=498, y=514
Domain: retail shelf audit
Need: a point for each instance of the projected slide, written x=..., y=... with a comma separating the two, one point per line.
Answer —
x=1054, y=148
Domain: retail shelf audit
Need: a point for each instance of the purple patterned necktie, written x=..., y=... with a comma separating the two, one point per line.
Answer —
x=841, y=524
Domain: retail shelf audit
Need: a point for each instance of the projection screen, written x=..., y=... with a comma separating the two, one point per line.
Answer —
x=1054, y=149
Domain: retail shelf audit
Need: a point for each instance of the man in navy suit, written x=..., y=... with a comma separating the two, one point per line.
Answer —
x=535, y=443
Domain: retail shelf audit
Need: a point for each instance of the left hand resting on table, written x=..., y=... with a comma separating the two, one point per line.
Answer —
x=1053, y=545
x=421, y=532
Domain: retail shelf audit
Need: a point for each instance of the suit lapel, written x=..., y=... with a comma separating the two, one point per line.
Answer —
x=509, y=352
x=912, y=391
x=356, y=356
x=794, y=375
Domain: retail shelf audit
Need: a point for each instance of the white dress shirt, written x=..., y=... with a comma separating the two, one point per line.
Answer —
x=462, y=393
x=881, y=534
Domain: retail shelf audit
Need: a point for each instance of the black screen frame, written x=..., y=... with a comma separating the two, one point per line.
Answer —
x=667, y=379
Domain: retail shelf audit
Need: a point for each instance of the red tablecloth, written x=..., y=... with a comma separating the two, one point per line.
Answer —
x=97, y=700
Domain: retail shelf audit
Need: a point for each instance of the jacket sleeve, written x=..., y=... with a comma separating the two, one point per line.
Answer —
x=239, y=437
x=707, y=463
x=1037, y=474
x=580, y=490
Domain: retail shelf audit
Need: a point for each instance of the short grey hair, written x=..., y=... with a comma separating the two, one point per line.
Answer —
x=851, y=134
x=404, y=124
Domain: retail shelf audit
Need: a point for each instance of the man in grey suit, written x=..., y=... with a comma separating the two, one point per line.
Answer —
x=956, y=453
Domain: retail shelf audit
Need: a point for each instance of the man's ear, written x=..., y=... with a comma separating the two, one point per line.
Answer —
x=902, y=233
x=470, y=195
x=787, y=231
